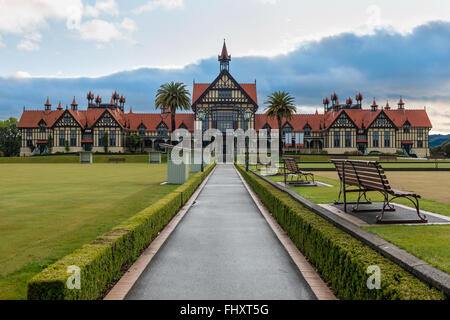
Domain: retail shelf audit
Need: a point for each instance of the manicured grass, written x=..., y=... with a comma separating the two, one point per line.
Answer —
x=73, y=158
x=426, y=242
x=430, y=243
x=49, y=210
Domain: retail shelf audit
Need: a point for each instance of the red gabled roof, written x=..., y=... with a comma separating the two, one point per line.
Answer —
x=151, y=121
x=298, y=121
x=417, y=118
x=31, y=118
x=200, y=88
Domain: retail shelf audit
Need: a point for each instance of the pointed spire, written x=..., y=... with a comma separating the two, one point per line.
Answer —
x=74, y=102
x=59, y=106
x=47, y=103
x=387, y=105
x=224, y=56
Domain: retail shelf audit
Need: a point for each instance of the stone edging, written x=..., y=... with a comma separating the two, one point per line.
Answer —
x=421, y=269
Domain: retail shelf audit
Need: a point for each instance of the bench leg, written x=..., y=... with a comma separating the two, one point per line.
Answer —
x=415, y=202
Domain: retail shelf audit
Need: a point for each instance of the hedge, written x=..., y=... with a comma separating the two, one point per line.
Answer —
x=340, y=259
x=102, y=261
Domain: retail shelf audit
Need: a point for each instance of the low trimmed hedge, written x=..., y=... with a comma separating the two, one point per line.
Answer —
x=102, y=261
x=341, y=259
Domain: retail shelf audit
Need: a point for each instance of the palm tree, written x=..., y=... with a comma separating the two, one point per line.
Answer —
x=172, y=96
x=280, y=104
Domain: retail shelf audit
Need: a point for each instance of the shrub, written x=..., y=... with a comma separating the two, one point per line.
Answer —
x=102, y=261
x=341, y=259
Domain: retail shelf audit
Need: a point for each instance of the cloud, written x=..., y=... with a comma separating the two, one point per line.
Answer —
x=30, y=42
x=22, y=16
x=268, y=1
x=108, y=7
x=384, y=65
x=156, y=4
x=103, y=31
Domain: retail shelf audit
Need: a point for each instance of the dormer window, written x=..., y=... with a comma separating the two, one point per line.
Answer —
x=406, y=128
x=182, y=126
x=307, y=130
x=162, y=130
x=268, y=129
x=42, y=126
x=141, y=130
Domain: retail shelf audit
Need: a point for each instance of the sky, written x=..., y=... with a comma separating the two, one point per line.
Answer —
x=384, y=49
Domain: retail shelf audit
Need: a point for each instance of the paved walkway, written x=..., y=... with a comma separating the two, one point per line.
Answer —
x=222, y=249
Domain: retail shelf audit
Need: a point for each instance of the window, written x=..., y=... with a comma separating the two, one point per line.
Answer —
x=387, y=139
x=29, y=143
x=307, y=131
x=66, y=118
x=381, y=121
x=73, y=138
x=225, y=120
x=107, y=119
x=112, y=138
x=100, y=138
x=287, y=135
x=62, y=138
x=225, y=94
x=42, y=127
x=420, y=144
x=420, y=132
x=406, y=128
x=141, y=130
x=375, y=139
x=348, y=139
x=337, y=139
x=205, y=122
x=299, y=138
x=162, y=130
x=29, y=132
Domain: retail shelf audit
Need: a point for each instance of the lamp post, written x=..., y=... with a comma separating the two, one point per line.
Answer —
x=201, y=116
x=247, y=117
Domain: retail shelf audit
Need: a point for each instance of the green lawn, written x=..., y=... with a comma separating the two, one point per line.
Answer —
x=48, y=210
x=430, y=243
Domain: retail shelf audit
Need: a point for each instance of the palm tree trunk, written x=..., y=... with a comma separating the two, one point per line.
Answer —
x=280, y=136
x=172, y=118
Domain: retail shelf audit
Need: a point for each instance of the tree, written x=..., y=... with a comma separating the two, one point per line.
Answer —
x=133, y=141
x=10, y=137
x=105, y=141
x=172, y=96
x=66, y=145
x=50, y=143
x=280, y=104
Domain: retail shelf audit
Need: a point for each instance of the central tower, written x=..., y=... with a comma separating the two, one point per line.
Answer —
x=224, y=58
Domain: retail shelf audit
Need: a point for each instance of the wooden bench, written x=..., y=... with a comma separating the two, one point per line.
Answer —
x=116, y=160
x=369, y=176
x=291, y=168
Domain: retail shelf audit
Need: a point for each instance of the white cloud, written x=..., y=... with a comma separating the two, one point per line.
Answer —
x=21, y=75
x=30, y=42
x=268, y=1
x=103, y=31
x=156, y=4
x=22, y=16
x=107, y=7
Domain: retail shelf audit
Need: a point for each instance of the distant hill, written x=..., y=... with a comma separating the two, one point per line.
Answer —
x=437, y=139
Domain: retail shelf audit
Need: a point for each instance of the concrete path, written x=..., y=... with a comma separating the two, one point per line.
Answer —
x=222, y=249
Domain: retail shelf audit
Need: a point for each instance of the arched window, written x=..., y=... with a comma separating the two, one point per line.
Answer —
x=162, y=130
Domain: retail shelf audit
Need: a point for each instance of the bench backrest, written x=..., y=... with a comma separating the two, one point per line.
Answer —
x=290, y=164
x=366, y=174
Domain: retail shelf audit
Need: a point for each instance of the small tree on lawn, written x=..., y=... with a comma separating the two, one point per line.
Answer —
x=66, y=144
x=105, y=141
x=50, y=143
x=133, y=141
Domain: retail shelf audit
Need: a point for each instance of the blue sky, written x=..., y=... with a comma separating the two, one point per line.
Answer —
x=382, y=48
